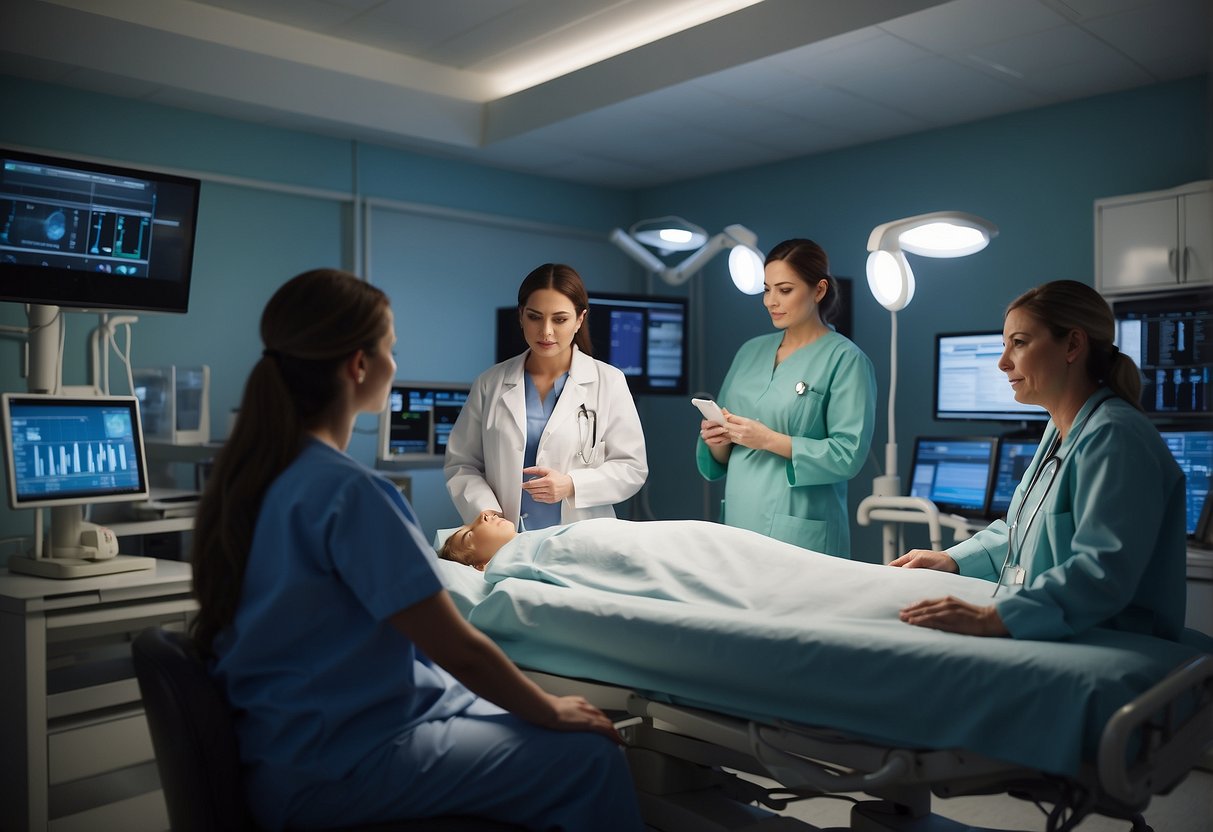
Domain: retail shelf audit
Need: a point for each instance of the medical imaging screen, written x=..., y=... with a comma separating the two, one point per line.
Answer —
x=79, y=219
x=1193, y=450
x=1171, y=339
x=74, y=449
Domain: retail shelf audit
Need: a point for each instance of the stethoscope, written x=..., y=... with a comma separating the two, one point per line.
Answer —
x=1052, y=461
x=587, y=427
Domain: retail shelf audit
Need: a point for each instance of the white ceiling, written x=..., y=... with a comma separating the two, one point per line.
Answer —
x=623, y=93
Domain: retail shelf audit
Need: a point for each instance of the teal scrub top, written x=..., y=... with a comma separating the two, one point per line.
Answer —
x=824, y=397
x=1107, y=547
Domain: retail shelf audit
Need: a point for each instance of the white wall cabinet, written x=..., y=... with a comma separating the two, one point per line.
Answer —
x=1155, y=240
x=77, y=752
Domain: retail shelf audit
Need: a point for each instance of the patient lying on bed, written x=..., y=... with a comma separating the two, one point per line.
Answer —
x=723, y=618
x=691, y=561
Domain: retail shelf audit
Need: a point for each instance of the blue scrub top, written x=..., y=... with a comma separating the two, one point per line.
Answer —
x=823, y=396
x=318, y=678
x=536, y=515
x=1108, y=546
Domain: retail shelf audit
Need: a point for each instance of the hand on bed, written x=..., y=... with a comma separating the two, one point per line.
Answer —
x=926, y=559
x=574, y=713
x=953, y=615
x=547, y=485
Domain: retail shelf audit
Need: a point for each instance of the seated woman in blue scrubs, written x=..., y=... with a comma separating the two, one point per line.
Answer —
x=355, y=685
x=1097, y=536
x=800, y=405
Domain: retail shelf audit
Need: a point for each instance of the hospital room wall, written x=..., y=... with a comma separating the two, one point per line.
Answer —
x=1035, y=174
x=449, y=241
x=275, y=202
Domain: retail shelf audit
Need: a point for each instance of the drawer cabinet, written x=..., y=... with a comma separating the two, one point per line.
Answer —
x=77, y=751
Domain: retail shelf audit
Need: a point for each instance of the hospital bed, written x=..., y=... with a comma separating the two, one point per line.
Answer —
x=771, y=661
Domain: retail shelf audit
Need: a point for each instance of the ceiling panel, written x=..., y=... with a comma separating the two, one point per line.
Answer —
x=775, y=79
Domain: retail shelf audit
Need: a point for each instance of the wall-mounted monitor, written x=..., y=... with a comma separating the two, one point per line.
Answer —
x=1170, y=337
x=414, y=428
x=1192, y=448
x=645, y=336
x=93, y=236
x=953, y=472
x=969, y=385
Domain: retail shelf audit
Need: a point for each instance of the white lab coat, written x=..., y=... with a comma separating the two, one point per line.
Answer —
x=484, y=452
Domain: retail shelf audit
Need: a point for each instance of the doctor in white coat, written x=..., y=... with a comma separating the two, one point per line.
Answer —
x=552, y=435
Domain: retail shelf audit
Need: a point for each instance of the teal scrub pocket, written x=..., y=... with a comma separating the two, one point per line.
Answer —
x=802, y=532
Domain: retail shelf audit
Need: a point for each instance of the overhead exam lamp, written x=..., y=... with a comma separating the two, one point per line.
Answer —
x=670, y=234
x=891, y=280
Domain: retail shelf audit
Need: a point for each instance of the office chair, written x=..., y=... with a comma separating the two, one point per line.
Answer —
x=195, y=744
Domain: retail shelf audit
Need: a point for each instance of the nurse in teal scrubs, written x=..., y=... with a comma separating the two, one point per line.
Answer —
x=1095, y=533
x=799, y=405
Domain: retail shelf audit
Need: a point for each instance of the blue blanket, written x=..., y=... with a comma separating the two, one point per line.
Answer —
x=728, y=620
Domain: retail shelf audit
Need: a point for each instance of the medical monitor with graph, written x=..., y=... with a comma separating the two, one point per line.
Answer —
x=414, y=428
x=87, y=235
x=61, y=451
x=953, y=472
x=1170, y=337
x=969, y=385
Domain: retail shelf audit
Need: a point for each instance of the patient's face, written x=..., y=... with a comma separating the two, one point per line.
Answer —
x=478, y=541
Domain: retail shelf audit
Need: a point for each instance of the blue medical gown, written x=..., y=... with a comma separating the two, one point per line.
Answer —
x=340, y=719
x=1108, y=545
x=802, y=500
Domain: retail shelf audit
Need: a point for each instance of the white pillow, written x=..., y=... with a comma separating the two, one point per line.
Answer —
x=466, y=585
x=441, y=535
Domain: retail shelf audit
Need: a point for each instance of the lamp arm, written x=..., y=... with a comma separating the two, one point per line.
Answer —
x=683, y=271
x=637, y=252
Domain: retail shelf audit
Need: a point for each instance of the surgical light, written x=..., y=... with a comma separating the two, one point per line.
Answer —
x=891, y=281
x=670, y=234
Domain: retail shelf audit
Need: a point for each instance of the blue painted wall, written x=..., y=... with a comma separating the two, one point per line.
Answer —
x=1035, y=174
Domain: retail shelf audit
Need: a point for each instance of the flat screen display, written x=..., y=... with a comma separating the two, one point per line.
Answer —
x=1014, y=456
x=61, y=451
x=92, y=236
x=1193, y=450
x=953, y=472
x=645, y=336
x=969, y=385
x=418, y=421
x=1170, y=337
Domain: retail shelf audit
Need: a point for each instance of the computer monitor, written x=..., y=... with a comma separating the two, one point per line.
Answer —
x=414, y=428
x=953, y=472
x=969, y=385
x=1192, y=448
x=63, y=453
x=1014, y=456
x=645, y=336
x=1170, y=337
x=94, y=236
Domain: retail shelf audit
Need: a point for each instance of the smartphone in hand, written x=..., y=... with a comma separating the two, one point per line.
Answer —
x=710, y=410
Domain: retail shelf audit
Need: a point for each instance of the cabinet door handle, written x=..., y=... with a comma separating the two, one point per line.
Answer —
x=1187, y=263
x=1172, y=263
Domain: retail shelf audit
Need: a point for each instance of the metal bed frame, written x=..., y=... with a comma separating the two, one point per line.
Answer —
x=683, y=760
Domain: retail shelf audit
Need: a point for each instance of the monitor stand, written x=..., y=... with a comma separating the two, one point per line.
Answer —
x=65, y=554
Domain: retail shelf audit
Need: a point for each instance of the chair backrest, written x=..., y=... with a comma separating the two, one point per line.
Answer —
x=192, y=734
